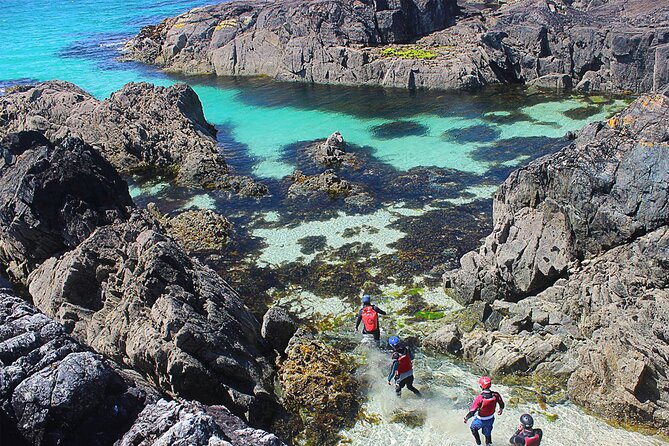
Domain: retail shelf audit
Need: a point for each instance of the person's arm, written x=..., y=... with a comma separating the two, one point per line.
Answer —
x=393, y=369
x=540, y=432
x=500, y=401
x=380, y=311
x=357, y=322
x=410, y=353
x=475, y=407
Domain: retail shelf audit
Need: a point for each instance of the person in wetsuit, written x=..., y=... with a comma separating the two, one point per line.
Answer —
x=401, y=369
x=483, y=411
x=369, y=316
x=526, y=435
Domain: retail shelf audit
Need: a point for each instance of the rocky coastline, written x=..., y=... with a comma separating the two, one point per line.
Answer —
x=613, y=46
x=115, y=281
x=139, y=128
x=114, y=333
x=572, y=282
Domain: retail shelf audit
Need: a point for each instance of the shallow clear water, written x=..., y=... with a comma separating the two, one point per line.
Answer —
x=432, y=162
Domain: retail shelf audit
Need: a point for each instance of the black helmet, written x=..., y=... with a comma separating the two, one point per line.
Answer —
x=527, y=421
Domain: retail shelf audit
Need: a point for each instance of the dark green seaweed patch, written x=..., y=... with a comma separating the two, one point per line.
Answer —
x=475, y=133
x=312, y=243
x=398, y=129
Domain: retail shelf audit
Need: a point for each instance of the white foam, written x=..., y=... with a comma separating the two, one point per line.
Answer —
x=448, y=391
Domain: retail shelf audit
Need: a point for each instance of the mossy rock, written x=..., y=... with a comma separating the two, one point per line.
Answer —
x=319, y=387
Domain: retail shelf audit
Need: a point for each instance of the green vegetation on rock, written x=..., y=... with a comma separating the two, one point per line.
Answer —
x=320, y=390
x=409, y=53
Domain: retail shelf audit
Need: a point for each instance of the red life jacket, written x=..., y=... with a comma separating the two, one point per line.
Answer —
x=533, y=441
x=404, y=363
x=488, y=405
x=370, y=318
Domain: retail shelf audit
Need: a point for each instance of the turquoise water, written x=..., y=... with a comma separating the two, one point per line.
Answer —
x=432, y=161
x=79, y=41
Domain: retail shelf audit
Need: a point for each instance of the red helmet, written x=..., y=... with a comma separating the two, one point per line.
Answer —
x=485, y=382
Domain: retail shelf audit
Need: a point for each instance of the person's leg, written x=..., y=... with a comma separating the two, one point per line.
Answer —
x=377, y=337
x=475, y=426
x=398, y=387
x=409, y=382
x=486, y=428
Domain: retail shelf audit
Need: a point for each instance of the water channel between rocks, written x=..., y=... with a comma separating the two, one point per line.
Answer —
x=430, y=160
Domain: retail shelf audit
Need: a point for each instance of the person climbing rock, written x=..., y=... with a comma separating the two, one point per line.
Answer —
x=369, y=316
x=402, y=368
x=483, y=409
x=526, y=435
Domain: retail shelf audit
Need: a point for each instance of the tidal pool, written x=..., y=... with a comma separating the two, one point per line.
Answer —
x=430, y=160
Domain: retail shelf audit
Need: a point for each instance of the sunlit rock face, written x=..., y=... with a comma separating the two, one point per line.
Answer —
x=580, y=242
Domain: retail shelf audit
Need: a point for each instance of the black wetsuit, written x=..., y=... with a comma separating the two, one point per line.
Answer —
x=376, y=333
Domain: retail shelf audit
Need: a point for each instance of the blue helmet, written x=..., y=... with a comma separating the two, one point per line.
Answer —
x=394, y=341
x=366, y=299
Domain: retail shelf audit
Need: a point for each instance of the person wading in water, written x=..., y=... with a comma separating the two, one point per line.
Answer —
x=483, y=409
x=402, y=368
x=369, y=316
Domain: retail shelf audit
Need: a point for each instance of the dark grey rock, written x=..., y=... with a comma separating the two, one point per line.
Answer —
x=140, y=127
x=189, y=423
x=119, y=284
x=55, y=391
x=52, y=198
x=278, y=327
x=617, y=45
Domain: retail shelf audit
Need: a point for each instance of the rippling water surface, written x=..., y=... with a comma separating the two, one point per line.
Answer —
x=432, y=160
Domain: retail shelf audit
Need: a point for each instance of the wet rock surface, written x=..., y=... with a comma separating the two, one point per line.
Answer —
x=131, y=292
x=140, y=127
x=54, y=389
x=616, y=45
x=576, y=268
x=328, y=184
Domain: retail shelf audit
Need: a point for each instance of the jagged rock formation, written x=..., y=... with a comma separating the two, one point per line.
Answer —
x=331, y=153
x=193, y=424
x=581, y=241
x=127, y=289
x=140, y=127
x=54, y=389
x=53, y=198
x=614, y=46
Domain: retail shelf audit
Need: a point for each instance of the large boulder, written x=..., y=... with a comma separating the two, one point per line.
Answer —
x=53, y=197
x=140, y=127
x=125, y=288
x=607, y=187
x=278, y=327
x=54, y=390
